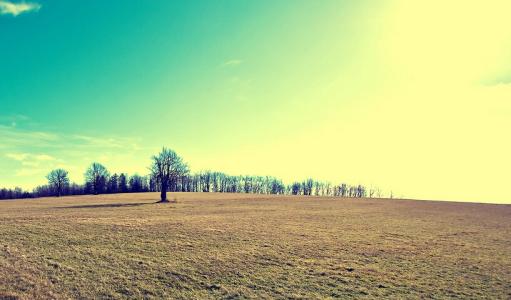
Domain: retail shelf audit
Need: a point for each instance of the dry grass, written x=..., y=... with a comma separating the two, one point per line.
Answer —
x=247, y=246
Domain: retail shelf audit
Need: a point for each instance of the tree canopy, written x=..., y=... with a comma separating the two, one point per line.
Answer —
x=96, y=177
x=58, y=180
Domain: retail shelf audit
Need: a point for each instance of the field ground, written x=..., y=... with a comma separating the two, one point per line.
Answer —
x=252, y=246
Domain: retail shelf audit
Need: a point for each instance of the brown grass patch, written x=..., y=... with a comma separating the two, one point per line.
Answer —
x=252, y=246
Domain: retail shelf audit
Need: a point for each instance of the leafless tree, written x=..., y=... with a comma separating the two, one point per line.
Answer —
x=123, y=183
x=96, y=177
x=372, y=191
x=58, y=179
x=167, y=166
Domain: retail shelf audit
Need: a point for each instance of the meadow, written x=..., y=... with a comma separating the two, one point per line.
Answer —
x=210, y=245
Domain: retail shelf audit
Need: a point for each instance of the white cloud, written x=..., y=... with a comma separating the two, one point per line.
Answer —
x=15, y=138
x=13, y=120
x=17, y=156
x=44, y=157
x=15, y=9
x=31, y=160
x=232, y=62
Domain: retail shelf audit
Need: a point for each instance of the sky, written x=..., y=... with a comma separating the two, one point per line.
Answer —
x=413, y=97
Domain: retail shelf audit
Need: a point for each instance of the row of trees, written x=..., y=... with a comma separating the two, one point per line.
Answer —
x=16, y=193
x=96, y=183
x=169, y=173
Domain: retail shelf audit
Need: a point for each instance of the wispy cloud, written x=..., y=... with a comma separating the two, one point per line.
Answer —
x=28, y=159
x=44, y=157
x=13, y=120
x=13, y=137
x=15, y=9
x=232, y=63
x=32, y=164
x=17, y=138
x=496, y=81
x=102, y=142
x=17, y=156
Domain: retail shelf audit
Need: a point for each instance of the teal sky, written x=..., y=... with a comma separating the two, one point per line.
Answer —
x=409, y=97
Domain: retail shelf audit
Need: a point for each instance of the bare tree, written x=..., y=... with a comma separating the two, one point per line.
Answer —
x=372, y=191
x=138, y=184
x=58, y=180
x=167, y=166
x=113, y=184
x=122, y=183
x=96, y=176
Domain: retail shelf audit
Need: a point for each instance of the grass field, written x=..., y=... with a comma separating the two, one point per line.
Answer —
x=252, y=246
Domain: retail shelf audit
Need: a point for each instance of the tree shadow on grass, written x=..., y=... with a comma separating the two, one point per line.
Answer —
x=108, y=205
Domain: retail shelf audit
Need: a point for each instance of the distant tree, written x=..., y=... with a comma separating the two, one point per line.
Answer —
x=113, y=184
x=361, y=191
x=76, y=189
x=153, y=184
x=87, y=188
x=247, y=184
x=123, y=183
x=136, y=183
x=167, y=166
x=58, y=180
x=295, y=188
x=16, y=193
x=307, y=186
x=97, y=176
x=343, y=189
x=276, y=186
x=378, y=192
x=372, y=191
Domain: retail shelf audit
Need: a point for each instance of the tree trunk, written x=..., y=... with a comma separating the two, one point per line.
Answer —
x=163, y=194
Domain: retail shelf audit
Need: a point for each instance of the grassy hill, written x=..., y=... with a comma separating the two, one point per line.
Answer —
x=252, y=246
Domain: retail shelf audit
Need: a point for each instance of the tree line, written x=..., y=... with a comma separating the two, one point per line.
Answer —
x=169, y=173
